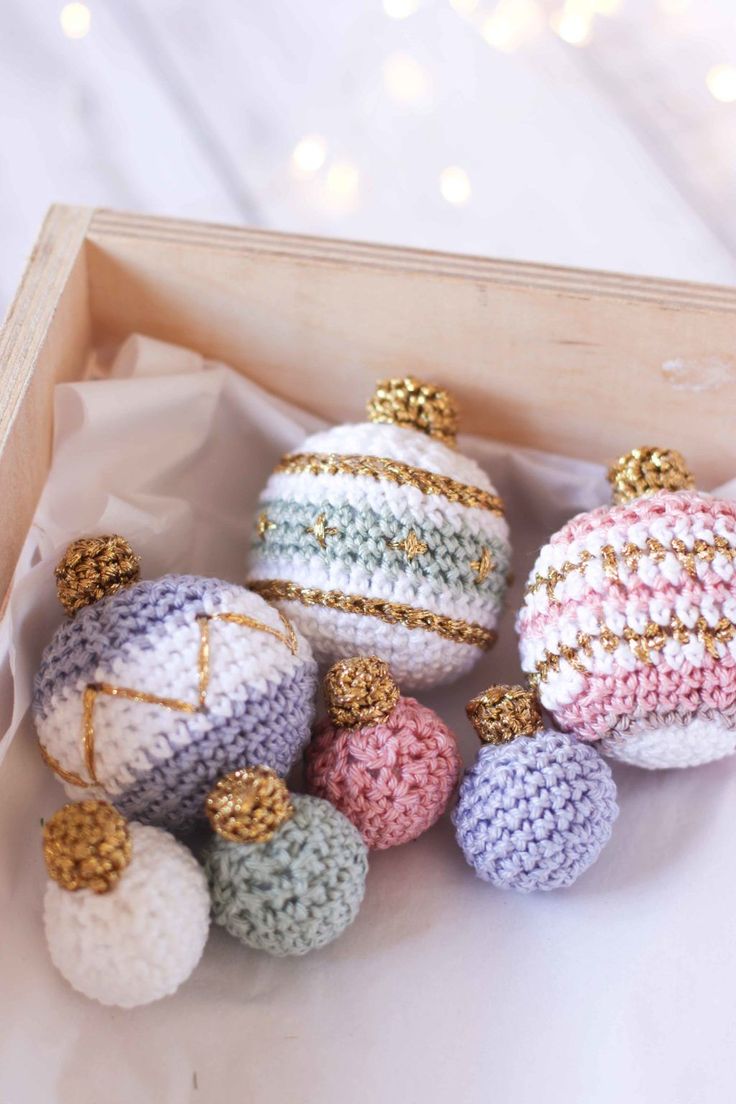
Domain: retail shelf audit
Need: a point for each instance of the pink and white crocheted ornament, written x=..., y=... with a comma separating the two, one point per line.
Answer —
x=628, y=627
x=387, y=762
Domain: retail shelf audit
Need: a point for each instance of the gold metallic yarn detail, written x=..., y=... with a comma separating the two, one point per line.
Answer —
x=92, y=568
x=415, y=405
x=249, y=805
x=483, y=566
x=320, y=530
x=411, y=546
x=502, y=713
x=392, y=613
x=631, y=554
x=86, y=845
x=391, y=471
x=643, y=644
x=94, y=689
x=646, y=470
x=360, y=691
x=263, y=524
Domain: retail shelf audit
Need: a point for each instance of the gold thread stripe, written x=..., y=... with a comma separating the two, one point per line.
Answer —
x=631, y=554
x=94, y=689
x=652, y=639
x=393, y=613
x=392, y=471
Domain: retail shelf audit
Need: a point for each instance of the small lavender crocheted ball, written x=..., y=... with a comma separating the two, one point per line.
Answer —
x=535, y=812
x=126, y=910
x=297, y=891
x=149, y=694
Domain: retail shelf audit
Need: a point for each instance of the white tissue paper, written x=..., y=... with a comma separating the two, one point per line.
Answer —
x=619, y=989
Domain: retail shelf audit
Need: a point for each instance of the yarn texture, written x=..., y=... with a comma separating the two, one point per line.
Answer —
x=393, y=780
x=628, y=628
x=298, y=891
x=535, y=813
x=174, y=691
x=141, y=940
x=368, y=545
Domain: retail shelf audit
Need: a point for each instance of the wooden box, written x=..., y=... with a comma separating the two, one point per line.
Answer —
x=582, y=363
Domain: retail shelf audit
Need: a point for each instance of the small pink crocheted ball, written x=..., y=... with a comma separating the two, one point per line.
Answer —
x=628, y=628
x=386, y=762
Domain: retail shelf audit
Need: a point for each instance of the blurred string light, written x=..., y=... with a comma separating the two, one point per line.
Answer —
x=465, y=7
x=721, y=81
x=400, y=9
x=511, y=23
x=455, y=185
x=309, y=155
x=574, y=22
x=75, y=20
x=405, y=80
x=342, y=182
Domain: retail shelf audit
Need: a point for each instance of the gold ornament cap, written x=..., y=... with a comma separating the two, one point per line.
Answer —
x=415, y=405
x=92, y=568
x=249, y=805
x=502, y=713
x=360, y=691
x=646, y=470
x=86, y=845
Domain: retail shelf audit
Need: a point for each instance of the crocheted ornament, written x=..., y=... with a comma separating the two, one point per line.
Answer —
x=388, y=763
x=126, y=909
x=537, y=806
x=628, y=626
x=300, y=884
x=382, y=539
x=146, y=696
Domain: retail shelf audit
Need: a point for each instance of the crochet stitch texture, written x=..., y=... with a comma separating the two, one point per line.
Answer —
x=535, y=813
x=367, y=536
x=141, y=940
x=629, y=628
x=392, y=780
x=298, y=891
x=155, y=761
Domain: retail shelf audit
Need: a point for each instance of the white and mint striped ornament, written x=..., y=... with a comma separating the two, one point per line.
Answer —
x=381, y=539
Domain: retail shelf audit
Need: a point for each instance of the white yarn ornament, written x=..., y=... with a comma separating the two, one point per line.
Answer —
x=382, y=539
x=141, y=938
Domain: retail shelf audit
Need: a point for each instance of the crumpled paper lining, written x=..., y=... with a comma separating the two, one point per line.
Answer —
x=444, y=988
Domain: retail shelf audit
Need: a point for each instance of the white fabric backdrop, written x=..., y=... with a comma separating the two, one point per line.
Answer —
x=620, y=989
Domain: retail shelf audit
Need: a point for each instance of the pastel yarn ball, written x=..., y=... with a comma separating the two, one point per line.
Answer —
x=298, y=891
x=392, y=780
x=136, y=664
x=535, y=813
x=143, y=939
x=629, y=628
x=366, y=565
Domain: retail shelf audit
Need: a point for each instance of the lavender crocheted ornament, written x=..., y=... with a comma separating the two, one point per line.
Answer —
x=537, y=807
x=157, y=688
x=286, y=873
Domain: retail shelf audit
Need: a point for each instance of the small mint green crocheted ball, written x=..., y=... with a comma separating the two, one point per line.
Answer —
x=298, y=891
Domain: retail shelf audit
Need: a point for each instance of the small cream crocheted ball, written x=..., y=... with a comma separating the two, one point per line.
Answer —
x=133, y=935
x=382, y=539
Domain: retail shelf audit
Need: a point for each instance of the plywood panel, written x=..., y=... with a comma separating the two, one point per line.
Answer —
x=43, y=342
x=563, y=360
